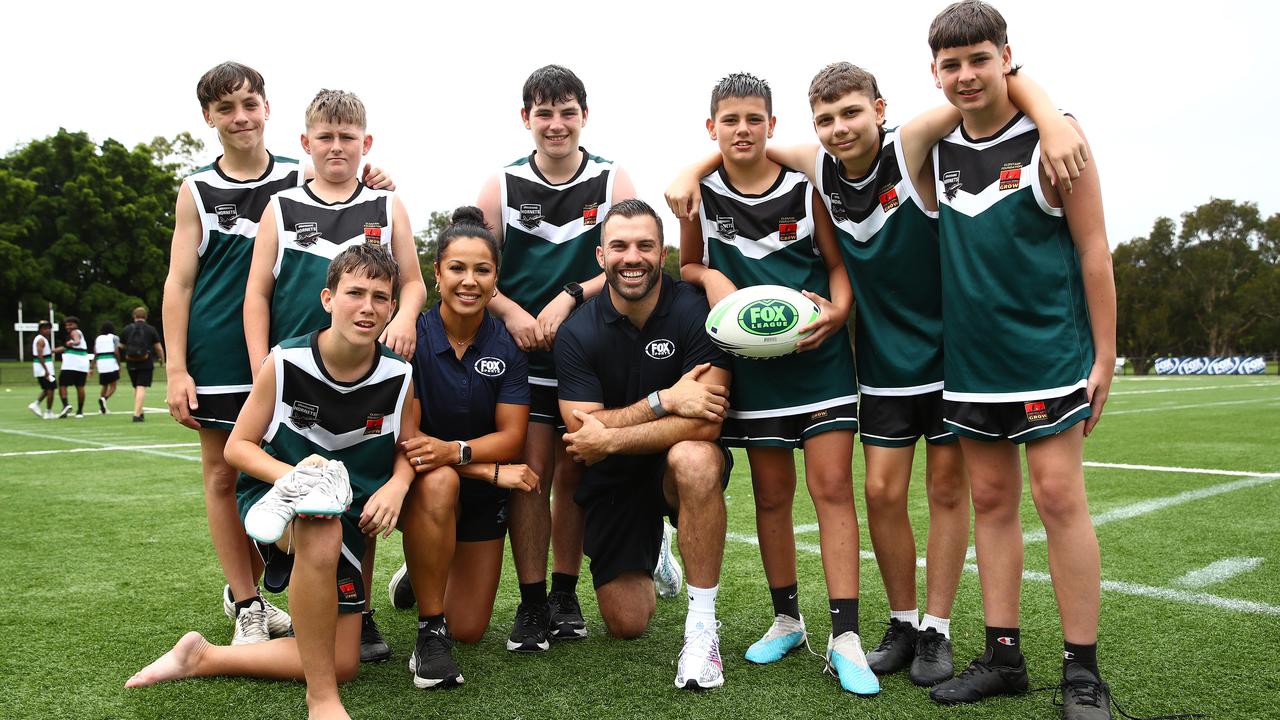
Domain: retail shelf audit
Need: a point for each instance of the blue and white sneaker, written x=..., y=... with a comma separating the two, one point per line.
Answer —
x=847, y=662
x=267, y=520
x=668, y=576
x=786, y=634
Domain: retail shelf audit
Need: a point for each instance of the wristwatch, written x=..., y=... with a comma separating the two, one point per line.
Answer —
x=464, y=452
x=574, y=290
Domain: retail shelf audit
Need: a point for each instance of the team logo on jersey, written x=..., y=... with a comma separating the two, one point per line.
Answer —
x=373, y=424
x=227, y=216
x=660, y=349
x=787, y=229
x=305, y=234
x=889, y=198
x=372, y=233
x=589, y=213
x=1035, y=411
x=530, y=215
x=725, y=227
x=1011, y=176
x=951, y=184
x=490, y=367
x=837, y=208
x=768, y=317
x=304, y=415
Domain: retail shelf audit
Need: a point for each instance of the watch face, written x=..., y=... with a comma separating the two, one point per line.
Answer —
x=466, y=454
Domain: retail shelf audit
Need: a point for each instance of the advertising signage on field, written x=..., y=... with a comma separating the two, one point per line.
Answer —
x=1203, y=365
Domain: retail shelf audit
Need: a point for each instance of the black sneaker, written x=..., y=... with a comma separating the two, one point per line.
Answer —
x=895, y=650
x=432, y=662
x=566, y=616
x=373, y=648
x=1084, y=695
x=980, y=681
x=530, y=631
x=400, y=590
x=933, y=663
x=136, y=418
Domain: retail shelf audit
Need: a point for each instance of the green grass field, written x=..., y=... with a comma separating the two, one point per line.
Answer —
x=107, y=556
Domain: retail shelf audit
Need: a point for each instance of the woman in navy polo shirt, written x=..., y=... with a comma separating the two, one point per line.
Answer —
x=471, y=382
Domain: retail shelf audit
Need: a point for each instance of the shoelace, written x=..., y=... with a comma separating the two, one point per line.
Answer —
x=895, y=631
x=251, y=620
x=535, y=616
x=705, y=642
x=567, y=602
x=1092, y=690
x=929, y=649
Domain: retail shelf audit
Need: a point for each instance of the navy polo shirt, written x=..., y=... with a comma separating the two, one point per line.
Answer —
x=601, y=357
x=459, y=397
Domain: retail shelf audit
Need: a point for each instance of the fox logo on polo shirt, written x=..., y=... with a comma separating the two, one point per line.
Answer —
x=490, y=367
x=660, y=349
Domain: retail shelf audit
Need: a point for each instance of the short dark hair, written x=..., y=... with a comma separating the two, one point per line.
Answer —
x=375, y=261
x=741, y=85
x=629, y=208
x=968, y=22
x=44, y=324
x=226, y=78
x=467, y=222
x=553, y=83
x=839, y=79
x=71, y=319
x=107, y=328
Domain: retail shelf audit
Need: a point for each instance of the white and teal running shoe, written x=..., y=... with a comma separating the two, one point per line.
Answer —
x=786, y=634
x=847, y=662
x=668, y=576
x=329, y=497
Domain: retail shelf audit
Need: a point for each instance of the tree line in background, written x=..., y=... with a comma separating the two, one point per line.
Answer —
x=87, y=227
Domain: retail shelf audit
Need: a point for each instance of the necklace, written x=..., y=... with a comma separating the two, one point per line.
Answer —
x=461, y=343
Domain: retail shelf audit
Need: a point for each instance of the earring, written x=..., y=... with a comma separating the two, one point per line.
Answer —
x=495, y=292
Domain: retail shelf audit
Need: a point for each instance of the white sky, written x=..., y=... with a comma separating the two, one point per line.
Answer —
x=1176, y=98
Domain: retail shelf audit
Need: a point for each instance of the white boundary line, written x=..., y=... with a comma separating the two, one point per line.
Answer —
x=105, y=448
x=1271, y=383
x=1161, y=408
x=96, y=443
x=1216, y=572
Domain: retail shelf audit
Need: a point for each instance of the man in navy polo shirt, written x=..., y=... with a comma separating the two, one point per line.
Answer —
x=643, y=392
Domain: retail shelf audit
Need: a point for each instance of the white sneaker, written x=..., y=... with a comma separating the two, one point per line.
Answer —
x=268, y=518
x=279, y=624
x=668, y=576
x=329, y=497
x=251, y=625
x=48, y=415
x=700, y=667
x=35, y=408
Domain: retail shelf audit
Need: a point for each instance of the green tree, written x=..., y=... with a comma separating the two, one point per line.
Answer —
x=425, y=240
x=1145, y=302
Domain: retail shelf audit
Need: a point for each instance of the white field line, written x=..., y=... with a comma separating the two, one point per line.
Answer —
x=1189, y=389
x=1175, y=469
x=106, y=448
x=96, y=443
x=1217, y=572
x=1109, y=413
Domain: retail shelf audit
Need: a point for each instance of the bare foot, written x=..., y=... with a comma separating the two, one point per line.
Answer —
x=176, y=664
x=328, y=711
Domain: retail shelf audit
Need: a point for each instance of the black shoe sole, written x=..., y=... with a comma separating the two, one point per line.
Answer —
x=568, y=633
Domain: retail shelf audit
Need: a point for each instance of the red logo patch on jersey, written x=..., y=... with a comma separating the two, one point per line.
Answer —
x=372, y=234
x=373, y=424
x=1035, y=411
x=1011, y=177
x=589, y=214
x=787, y=227
x=889, y=199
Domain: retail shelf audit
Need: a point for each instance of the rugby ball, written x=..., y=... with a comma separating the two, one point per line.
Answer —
x=762, y=321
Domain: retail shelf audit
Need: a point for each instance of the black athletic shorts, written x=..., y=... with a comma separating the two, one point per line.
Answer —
x=788, y=431
x=141, y=377
x=69, y=378
x=623, y=525
x=1018, y=422
x=47, y=384
x=107, y=378
x=900, y=420
x=483, y=511
x=218, y=410
x=544, y=406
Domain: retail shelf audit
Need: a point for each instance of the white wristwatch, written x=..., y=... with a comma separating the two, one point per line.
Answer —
x=464, y=453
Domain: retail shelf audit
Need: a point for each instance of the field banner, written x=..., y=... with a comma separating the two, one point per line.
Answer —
x=1203, y=365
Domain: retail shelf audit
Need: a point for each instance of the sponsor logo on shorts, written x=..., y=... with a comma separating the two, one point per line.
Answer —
x=889, y=198
x=530, y=215
x=787, y=229
x=1011, y=176
x=372, y=233
x=1035, y=411
x=818, y=415
x=373, y=424
x=589, y=213
x=660, y=349
x=490, y=367
x=304, y=415
x=837, y=208
x=726, y=228
x=306, y=233
x=227, y=216
x=768, y=317
x=347, y=588
x=951, y=184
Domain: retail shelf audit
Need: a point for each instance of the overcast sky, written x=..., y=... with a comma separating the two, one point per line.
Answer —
x=1179, y=100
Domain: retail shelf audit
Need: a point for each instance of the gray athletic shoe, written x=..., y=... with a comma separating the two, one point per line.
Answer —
x=251, y=625
x=279, y=624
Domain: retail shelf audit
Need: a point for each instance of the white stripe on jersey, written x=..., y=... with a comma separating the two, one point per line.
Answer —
x=331, y=247
x=546, y=230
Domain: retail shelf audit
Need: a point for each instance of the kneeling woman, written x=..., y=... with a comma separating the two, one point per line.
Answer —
x=472, y=389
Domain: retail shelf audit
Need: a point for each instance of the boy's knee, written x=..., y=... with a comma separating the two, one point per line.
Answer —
x=626, y=624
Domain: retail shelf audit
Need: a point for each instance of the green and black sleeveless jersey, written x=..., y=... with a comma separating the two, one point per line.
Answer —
x=549, y=237
x=767, y=239
x=311, y=233
x=890, y=247
x=1017, y=325
x=356, y=422
x=229, y=214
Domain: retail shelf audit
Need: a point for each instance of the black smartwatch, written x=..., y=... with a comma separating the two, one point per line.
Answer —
x=574, y=290
x=464, y=453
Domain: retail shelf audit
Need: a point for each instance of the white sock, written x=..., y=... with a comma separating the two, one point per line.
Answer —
x=942, y=625
x=911, y=616
x=702, y=607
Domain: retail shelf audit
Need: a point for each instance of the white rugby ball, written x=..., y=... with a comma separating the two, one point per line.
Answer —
x=762, y=321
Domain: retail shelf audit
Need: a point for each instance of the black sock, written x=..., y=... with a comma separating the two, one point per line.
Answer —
x=784, y=600
x=564, y=582
x=64, y=402
x=844, y=616
x=242, y=604
x=1004, y=646
x=1085, y=656
x=80, y=407
x=430, y=622
x=534, y=593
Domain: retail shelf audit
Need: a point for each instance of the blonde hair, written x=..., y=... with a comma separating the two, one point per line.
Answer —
x=336, y=106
